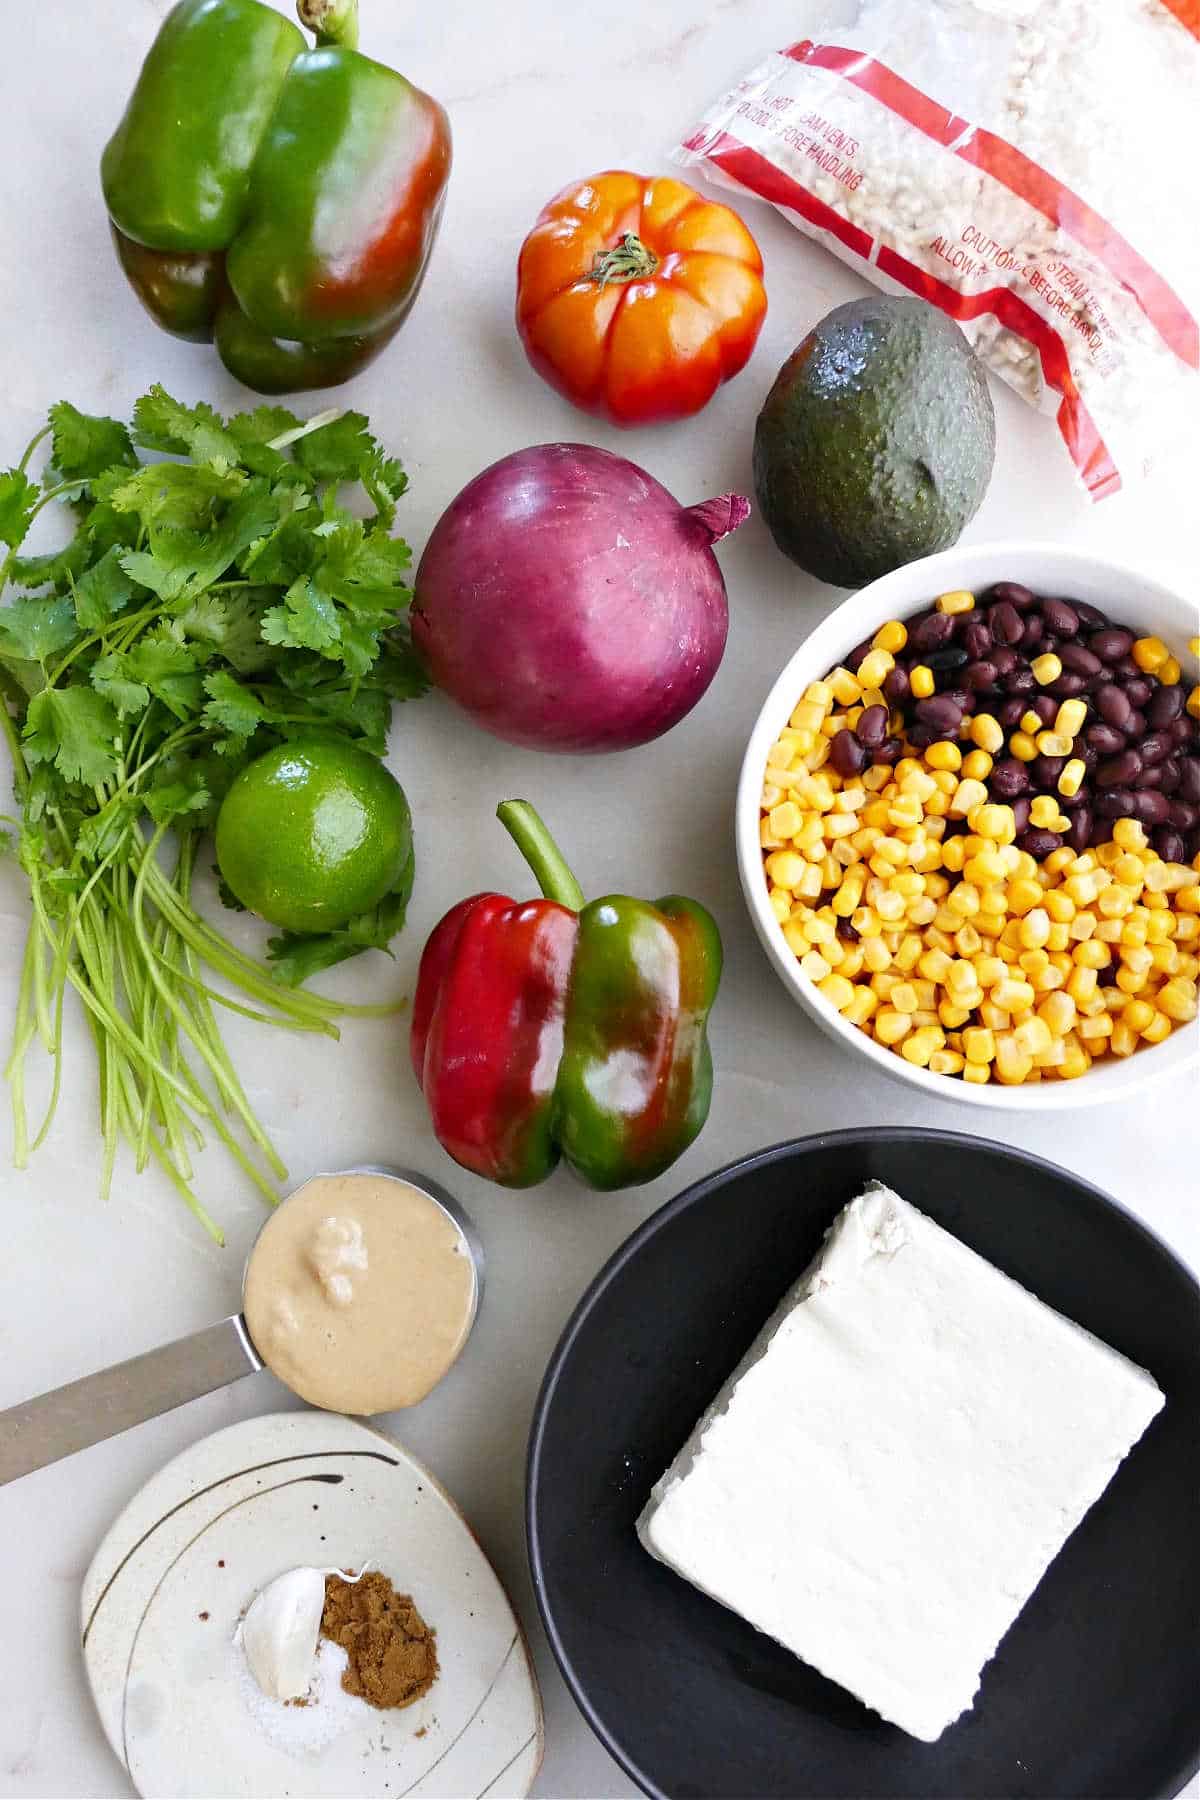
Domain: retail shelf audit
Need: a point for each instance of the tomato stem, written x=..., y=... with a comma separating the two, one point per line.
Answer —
x=630, y=260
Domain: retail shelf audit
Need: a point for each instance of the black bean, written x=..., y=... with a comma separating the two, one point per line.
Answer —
x=1138, y=690
x=1165, y=705
x=1181, y=730
x=1119, y=770
x=847, y=755
x=1039, y=842
x=1107, y=976
x=1125, y=670
x=1189, y=780
x=1069, y=685
x=1150, y=777
x=1021, y=681
x=1169, y=844
x=1004, y=659
x=1015, y=593
x=1010, y=712
x=1020, y=810
x=1069, y=802
x=934, y=629
x=943, y=661
x=872, y=728
x=1110, y=644
x=1089, y=615
x=1080, y=833
x=962, y=697
x=941, y=715
x=846, y=931
x=1137, y=723
x=1061, y=617
x=895, y=684
x=857, y=654
x=1150, y=806
x=1154, y=747
x=1113, y=706
x=1008, y=778
x=1105, y=738
x=1169, y=773
x=890, y=751
x=1046, y=771
x=977, y=639
x=1032, y=632
x=1005, y=624
x=1115, y=803
x=1088, y=754
x=979, y=675
x=1079, y=660
x=1045, y=707
x=1182, y=816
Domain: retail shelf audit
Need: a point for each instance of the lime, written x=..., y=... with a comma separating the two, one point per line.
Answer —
x=312, y=833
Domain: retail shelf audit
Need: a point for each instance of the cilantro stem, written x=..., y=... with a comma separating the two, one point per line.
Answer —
x=32, y=445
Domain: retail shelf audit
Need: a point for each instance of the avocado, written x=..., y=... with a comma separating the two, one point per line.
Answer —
x=875, y=445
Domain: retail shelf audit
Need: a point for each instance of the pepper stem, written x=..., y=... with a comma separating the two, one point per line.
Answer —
x=332, y=22
x=540, y=851
x=630, y=260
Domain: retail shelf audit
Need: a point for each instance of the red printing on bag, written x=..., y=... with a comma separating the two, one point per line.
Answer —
x=1024, y=178
x=1086, y=447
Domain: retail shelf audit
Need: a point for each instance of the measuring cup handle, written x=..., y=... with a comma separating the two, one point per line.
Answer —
x=37, y=1432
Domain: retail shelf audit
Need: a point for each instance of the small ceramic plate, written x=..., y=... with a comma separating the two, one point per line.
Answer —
x=167, y=1587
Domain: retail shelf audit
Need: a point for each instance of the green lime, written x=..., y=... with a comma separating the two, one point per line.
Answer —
x=312, y=833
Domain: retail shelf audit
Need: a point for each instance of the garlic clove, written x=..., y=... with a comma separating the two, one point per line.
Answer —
x=279, y=1633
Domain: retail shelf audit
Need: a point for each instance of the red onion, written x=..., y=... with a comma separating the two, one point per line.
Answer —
x=568, y=602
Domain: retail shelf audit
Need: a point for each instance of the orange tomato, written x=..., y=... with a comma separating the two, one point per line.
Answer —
x=637, y=297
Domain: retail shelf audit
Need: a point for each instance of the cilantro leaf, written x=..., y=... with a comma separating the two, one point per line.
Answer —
x=110, y=679
x=296, y=956
x=168, y=800
x=263, y=424
x=181, y=564
x=54, y=567
x=18, y=497
x=307, y=620
x=337, y=451
x=232, y=707
x=102, y=591
x=85, y=445
x=161, y=423
x=76, y=729
x=37, y=628
x=169, y=670
x=174, y=496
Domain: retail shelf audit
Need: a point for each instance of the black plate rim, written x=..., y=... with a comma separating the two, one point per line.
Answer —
x=649, y=1228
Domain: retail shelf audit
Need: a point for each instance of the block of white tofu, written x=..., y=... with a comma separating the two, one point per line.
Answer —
x=886, y=1477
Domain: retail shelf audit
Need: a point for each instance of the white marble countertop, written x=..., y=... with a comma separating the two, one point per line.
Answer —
x=537, y=95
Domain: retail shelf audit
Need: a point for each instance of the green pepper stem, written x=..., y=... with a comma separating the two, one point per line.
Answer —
x=630, y=260
x=540, y=851
x=332, y=22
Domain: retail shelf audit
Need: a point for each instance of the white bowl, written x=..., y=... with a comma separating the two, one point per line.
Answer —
x=1129, y=597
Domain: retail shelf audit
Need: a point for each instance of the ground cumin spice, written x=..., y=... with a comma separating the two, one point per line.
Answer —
x=392, y=1651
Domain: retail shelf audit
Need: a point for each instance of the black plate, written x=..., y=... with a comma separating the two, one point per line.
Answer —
x=1094, y=1691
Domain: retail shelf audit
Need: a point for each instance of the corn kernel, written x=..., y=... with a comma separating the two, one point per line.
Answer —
x=994, y=822
x=1012, y=1064
x=893, y=636
x=1068, y=720
x=861, y=1006
x=1050, y=743
x=1123, y=1041
x=1193, y=702
x=1159, y=1028
x=1149, y=653
x=1034, y=1038
x=1035, y=928
x=1071, y=779
x=904, y=997
x=843, y=686
x=1076, y=1062
x=979, y=1044
x=967, y=794
x=1012, y=995
x=959, y=600
x=874, y=667
x=785, y=868
x=1043, y=809
x=935, y=965
x=921, y=682
x=1177, y=999
x=814, y=965
x=1098, y=1026
x=1022, y=746
x=837, y=990
x=1092, y=955
x=1023, y=895
x=944, y=755
x=1170, y=672
x=810, y=882
x=890, y=1025
x=921, y=1044
x=945, y=1062
x=786, y=819
x=977, y=1073
x=1031, y=722
x=1046, y=669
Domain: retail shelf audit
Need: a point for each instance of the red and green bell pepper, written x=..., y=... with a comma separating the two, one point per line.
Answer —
x=548, y=1028
x=278, y=199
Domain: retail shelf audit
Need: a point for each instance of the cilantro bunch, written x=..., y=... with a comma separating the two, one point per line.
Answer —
x=214, y=600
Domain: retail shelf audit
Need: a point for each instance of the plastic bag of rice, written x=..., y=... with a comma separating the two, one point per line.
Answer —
x=1028, y=166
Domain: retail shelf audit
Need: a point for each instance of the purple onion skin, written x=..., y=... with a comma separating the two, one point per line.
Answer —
x=568, y=602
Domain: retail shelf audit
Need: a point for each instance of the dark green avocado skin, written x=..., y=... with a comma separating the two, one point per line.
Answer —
x=875, y=445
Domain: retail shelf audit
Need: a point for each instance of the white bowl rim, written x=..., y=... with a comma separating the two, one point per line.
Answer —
x=826, y=643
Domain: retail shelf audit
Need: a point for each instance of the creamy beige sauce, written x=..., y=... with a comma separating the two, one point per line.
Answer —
x=360, y=1292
